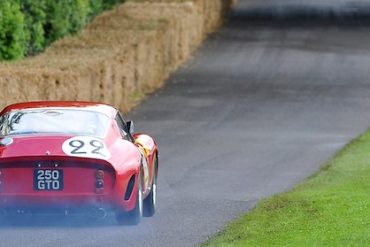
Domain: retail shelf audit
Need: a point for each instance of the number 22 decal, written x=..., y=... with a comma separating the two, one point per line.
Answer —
x=86, y=147
x=98, y=145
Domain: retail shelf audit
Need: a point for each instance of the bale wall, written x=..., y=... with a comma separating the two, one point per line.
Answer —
x=122, y=55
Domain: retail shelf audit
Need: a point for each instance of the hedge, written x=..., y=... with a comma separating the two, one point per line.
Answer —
x=28, y=26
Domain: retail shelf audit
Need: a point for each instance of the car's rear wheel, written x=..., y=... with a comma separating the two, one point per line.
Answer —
x=150, y=201
x=133, y=217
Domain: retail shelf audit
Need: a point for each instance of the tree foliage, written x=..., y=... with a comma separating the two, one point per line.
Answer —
x=28, y=26
x=12, y=36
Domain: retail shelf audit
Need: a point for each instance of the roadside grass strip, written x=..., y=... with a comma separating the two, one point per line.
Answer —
x=331, y=208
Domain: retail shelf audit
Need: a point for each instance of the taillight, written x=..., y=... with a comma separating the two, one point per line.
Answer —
x=1, y=181
x=99, y=183
x=99, y=174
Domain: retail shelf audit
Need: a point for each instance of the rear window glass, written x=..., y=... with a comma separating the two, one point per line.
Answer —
x=53, y=121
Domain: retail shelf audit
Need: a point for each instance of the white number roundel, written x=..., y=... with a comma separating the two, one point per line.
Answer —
x=84, y=146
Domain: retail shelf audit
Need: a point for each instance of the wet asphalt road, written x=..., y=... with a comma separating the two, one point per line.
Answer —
x=264, y=102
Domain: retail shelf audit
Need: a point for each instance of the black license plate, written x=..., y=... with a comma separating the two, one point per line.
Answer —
x=48, y=179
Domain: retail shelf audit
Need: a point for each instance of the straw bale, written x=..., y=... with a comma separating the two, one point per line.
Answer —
x=122, y=55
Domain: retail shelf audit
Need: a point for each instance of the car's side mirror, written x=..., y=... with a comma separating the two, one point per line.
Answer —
x=130, y=127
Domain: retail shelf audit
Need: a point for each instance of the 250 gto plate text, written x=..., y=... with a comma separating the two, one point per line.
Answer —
x=48, y=179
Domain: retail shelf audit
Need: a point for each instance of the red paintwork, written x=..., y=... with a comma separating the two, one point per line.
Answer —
x=19, y=159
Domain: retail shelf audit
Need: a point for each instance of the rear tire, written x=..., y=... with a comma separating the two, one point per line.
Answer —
x=133, y=217
x=149, y=204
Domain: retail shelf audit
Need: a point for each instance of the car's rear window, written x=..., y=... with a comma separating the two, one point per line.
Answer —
x=53, y=121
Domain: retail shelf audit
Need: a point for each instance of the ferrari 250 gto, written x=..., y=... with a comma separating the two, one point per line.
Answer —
x=75, y=155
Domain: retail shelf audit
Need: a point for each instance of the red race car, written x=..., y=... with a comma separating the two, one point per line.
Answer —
x=75, y=155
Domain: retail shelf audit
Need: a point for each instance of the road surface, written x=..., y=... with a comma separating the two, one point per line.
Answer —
x=265, y=101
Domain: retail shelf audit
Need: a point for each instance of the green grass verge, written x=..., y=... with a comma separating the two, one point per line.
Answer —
x=331, y=208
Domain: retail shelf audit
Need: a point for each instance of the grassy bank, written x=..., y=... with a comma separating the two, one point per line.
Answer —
x=332, y=208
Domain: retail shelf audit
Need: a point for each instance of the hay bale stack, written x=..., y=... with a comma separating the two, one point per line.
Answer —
x=122, y=55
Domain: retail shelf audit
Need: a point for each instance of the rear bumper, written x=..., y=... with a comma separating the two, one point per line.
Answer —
x=25, y=203
x=57, y=200
x=88, y=211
